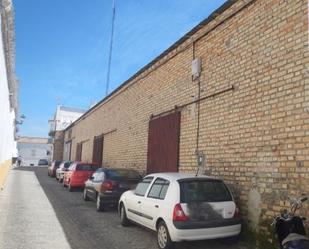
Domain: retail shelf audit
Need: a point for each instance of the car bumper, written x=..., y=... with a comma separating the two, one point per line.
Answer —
x=110, y=198
x=204, y=233
x=77, y=184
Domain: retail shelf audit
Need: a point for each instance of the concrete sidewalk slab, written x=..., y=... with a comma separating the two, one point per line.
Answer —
x=27, y=219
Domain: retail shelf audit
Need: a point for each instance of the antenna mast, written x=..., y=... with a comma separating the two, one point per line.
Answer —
x=110, y=49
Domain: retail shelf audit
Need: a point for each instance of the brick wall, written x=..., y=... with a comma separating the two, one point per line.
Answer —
x=254, y=136
x=58, y=145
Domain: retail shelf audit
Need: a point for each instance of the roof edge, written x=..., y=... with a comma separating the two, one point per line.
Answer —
x=199, y=26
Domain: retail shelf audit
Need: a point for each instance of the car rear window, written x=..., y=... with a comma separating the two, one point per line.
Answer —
x=67, y=165
x=57, y=163
x=116, y=174
x=86, y=167
x=201, y=190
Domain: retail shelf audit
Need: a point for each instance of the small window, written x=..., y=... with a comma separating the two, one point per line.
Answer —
x=33, y=152
x=142, y=187
x=158, y=189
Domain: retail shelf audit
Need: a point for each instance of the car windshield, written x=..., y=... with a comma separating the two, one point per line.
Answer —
x=201, y=190
x=86, y=167
x=115, y=174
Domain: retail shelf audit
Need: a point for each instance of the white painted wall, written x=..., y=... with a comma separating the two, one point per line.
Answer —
x=31, y=153
x=7, y=116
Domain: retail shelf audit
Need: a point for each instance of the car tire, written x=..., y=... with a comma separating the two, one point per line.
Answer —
x=123, y=217
x=99, y=205
x=163, y=237
x=85, y=196
x=70, y=187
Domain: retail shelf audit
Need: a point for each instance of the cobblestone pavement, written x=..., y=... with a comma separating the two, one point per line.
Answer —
x=38, y=212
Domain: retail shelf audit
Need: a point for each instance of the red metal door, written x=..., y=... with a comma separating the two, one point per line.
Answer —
x=97, y=154
x=163, y=144
x=79, y=149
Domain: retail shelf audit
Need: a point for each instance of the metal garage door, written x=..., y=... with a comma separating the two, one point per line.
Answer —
x=97, y=154
x=163, y=144
x=79, y=149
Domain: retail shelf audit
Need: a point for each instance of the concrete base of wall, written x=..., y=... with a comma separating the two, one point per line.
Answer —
x=4, y=169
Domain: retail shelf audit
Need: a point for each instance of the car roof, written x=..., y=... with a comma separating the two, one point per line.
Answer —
x=174, y=176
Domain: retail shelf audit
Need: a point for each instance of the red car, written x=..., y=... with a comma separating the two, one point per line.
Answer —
x=51, y=171
x=78, y=173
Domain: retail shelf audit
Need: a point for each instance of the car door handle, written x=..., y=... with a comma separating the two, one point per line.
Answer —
x=139, y=202
x=156, y=206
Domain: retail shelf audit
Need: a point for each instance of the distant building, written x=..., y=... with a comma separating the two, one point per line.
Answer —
x=64, y=116
x=8, y=88
x=32, y=149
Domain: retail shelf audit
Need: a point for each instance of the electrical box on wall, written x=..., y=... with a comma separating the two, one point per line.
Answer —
x=196, y=67
x=200, y=162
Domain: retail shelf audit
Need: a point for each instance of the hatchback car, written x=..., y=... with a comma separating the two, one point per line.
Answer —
x=64, y=166
x=51, y=171
x=42, y=162
x=106, y=185
x=181, y=207
x=78, y=173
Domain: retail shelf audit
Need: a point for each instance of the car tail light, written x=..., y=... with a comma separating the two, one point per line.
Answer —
x=236, y=213
x=107, y=185
x=179, y=214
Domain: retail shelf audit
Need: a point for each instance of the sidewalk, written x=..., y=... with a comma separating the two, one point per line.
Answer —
x=27, y=219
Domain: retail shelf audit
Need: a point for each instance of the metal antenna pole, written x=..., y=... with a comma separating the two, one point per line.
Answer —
x=110, y=49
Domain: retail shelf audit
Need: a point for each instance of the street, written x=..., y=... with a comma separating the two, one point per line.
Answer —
x=38, y=212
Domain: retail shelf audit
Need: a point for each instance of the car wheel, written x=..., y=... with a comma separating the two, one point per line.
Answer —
x=85, y=196
x=70, y=188
x=123, y=216
x=163, y=237
x=100, y=206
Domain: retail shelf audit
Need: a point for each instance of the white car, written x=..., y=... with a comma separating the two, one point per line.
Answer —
x=64, y=166
x=181, y=207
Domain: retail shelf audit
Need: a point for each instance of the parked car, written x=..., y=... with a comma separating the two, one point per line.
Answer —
x=42, y=162
x=181, y=207
x=106, y=186
x=78, y=173
x=53, y=167
x=64, y=166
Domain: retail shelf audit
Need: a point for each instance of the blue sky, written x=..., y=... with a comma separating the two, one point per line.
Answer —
x=62, y=48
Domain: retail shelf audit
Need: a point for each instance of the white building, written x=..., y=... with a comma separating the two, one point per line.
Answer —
x=8, y=88
x=63, y=117
x=32, y=149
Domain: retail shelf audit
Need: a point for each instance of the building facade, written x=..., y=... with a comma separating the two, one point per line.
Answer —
x=32, y=149
x=230, y=98
x=64, y=116
x=8, y=88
